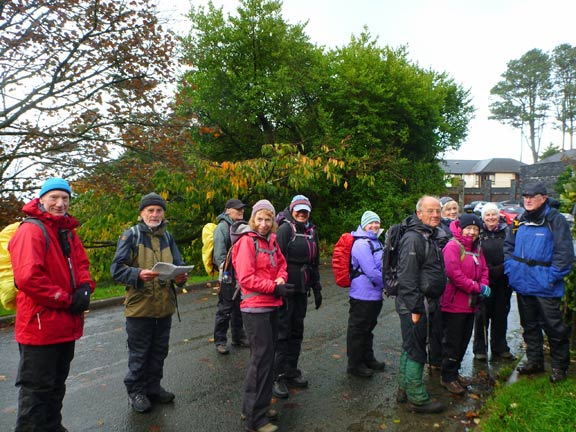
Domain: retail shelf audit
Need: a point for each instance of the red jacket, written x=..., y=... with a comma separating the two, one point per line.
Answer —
x=43, y=280
x=256, y=273
x=464, y=276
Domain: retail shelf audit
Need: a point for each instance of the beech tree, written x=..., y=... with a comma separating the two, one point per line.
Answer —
x=564, y=68
x=523, y=96
x=75, y=77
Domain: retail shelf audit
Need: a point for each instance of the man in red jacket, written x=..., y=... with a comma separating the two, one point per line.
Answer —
x=51, y=271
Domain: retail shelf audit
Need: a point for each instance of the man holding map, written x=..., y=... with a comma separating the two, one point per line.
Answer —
x=150, y=300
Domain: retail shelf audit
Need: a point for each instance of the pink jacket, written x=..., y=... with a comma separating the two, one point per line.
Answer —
x=464, y=275
x=256, y=273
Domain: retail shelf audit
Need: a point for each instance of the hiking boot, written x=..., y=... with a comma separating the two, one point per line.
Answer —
x=222, y=349
x=280, y=390
x=140, y=403
x=161, y=397
x=530, y=368
x=557, y=375
x=432, y=367
x=271, y=414
x=453, y=387
x=464, y=381
x=401, y=396
x=376, y=365
x=506, y=355
x=268, y=427
x=296, y=382
x=360, y=371
x=430, y=407
x=241, y=343
x=480, y=357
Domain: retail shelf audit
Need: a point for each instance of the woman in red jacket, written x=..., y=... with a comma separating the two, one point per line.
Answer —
x=261, y=274
x=467, y=279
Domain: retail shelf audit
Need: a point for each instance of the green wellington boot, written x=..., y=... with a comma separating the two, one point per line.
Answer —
x=418, y=398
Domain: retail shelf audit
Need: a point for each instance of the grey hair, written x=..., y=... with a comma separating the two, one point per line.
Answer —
x=423, y=198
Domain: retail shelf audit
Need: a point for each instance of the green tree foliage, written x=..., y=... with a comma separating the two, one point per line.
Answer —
x=564, y=68
x=523, y=96
x=73, y=76
x=549, y=151
x=253, y=80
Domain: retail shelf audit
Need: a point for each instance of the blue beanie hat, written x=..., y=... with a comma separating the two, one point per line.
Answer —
x=367, y=217
x=468, y=219
x=55, y=183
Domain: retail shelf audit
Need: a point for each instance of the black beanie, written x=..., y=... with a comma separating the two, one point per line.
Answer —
x=152, y=199
x=468, y=219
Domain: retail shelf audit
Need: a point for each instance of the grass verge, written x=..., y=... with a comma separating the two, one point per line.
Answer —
x=106, y=290
x=531, y=405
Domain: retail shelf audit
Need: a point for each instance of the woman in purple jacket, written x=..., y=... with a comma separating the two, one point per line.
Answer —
x=467, y=274
x=365, y=296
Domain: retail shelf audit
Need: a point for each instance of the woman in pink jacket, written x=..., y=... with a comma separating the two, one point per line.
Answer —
x=467, y=274
x=261, y=273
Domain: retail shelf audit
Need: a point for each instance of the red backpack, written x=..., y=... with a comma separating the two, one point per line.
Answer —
x=341, y=260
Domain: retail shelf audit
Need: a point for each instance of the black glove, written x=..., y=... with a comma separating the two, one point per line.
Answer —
x=317, y=295
x=284, y=290
x=80, y=299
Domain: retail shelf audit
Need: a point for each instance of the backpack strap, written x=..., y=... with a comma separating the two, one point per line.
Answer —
x=40, y=225
x=354, y=273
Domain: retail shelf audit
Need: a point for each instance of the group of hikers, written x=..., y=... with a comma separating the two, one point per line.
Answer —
x=455, y=273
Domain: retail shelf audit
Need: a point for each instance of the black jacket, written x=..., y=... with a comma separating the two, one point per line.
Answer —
x=420, y=267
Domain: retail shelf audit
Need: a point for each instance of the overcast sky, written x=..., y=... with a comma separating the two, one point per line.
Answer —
x=471, y=40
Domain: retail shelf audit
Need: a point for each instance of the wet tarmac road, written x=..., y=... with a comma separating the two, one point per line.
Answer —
x=208, y=386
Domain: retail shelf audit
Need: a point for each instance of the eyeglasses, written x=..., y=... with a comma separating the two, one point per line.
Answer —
x=432, y=211
x=302, y=211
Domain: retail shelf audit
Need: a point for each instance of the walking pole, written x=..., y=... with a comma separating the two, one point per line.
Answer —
x=485, y=325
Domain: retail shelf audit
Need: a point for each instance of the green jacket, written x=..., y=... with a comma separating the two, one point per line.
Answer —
x=140, y=248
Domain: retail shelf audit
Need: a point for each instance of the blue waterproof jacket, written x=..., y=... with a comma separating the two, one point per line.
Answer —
x=538, y=253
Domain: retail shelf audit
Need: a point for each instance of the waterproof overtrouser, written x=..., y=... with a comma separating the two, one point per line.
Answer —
x=148, y=340
x=290, y=335
x=415, y=390
x=262, y=332
x=495, y=309
x=402, y=371
x=228, y=315
x=436, y=332
x=537, y=313
x=42, y=374
x=457, y=333
x=362, y=318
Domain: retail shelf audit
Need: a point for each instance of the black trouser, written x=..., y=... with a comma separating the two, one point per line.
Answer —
x=495, y=310
x=228, y=314
x=457, y=333
x=290, y=334
x=262, y=331
x=362, y=318
x=537, y=313
x=148, y=340
x=414, y=337
x=42, y=374
x=436, y=333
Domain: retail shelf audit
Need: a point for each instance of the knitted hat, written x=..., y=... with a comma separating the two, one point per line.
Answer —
x=367, y=217
x=55, y=183
x=300, y=202
x=468, y=219
x=263, y=205
x=489, y=208
x=235, y=204
x=445, y=200
x=152, y=199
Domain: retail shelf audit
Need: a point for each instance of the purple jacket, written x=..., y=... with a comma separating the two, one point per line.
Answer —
x=464, y=276
x=367, y=266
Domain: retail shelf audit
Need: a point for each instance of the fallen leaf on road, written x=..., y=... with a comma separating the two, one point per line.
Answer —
x=336, y=356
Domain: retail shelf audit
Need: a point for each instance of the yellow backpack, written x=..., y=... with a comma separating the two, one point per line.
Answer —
x=8, y=289
x=208, y=248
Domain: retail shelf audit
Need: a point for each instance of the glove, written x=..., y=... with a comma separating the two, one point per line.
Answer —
x=80, y=299
x=317, y=296
x=485, y=291
x=284, y=290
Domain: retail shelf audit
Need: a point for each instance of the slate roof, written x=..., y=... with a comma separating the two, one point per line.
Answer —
x=559, y=157
x=486, y=166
